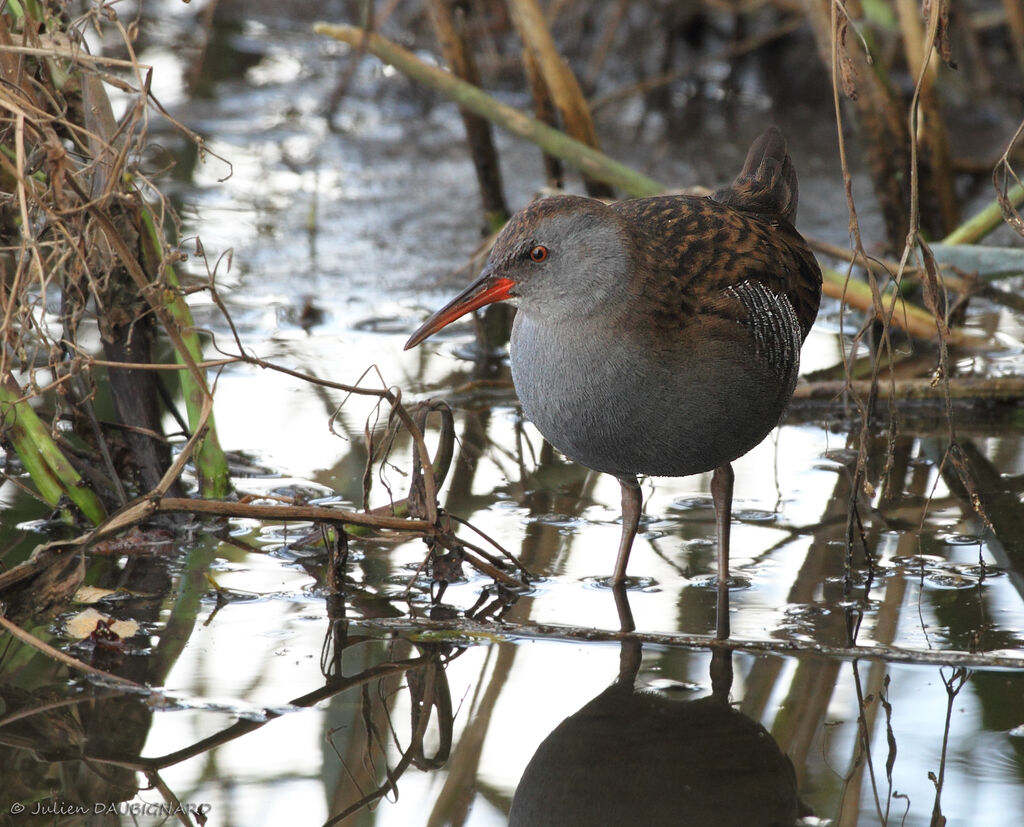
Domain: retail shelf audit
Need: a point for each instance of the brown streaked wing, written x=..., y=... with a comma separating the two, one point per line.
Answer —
x=696, y=248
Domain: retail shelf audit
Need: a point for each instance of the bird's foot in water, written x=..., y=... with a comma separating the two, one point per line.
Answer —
x=632, y=584
x=735, y=582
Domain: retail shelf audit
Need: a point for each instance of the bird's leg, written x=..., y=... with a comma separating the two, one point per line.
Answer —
x=626, y=622
x=632, y=501
x=631, y=652
x=721, y=495
x=721, y=672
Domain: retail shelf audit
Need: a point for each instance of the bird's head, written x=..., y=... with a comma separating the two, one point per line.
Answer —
x=558, y=258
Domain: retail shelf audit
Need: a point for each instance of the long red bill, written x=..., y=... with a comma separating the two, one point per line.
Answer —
x=485, y=290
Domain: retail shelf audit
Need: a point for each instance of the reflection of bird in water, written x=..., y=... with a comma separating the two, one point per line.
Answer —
x=656, y=336
x=637, y=757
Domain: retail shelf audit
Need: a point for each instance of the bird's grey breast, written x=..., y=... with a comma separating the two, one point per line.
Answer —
x=628, y=402
x=607, y=402
x=578, y=386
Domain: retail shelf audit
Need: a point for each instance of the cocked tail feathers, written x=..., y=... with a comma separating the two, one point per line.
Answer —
x=767, y=182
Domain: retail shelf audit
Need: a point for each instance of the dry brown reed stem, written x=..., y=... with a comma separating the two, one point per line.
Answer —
x=973, y=388
x=565, y=90
x=449, y=25
x=930, y=136
x=221, y=508
x=883, y=126
x=545, y=112
x=585, y=158
x=559, y=79
x=1008, y=186
x=1015, y=21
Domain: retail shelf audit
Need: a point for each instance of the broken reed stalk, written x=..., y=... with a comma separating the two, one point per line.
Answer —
x=882, y=121
x=972, y=388
x=449, y=25
x=985, y=220
x=938, y=194
x=559, y=80
x=904, y=315
x=46, y=464
x=586, y=159
x=211, y=465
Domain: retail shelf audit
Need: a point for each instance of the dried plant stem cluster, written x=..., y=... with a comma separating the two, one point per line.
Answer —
x=86, y=251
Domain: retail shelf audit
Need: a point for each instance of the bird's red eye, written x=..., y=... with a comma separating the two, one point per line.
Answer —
x=538, y=253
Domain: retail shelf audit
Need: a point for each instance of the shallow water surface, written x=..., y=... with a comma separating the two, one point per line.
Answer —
x=880, y=689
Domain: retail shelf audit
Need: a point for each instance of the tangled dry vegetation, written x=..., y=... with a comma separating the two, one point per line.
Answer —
x=87, y=249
